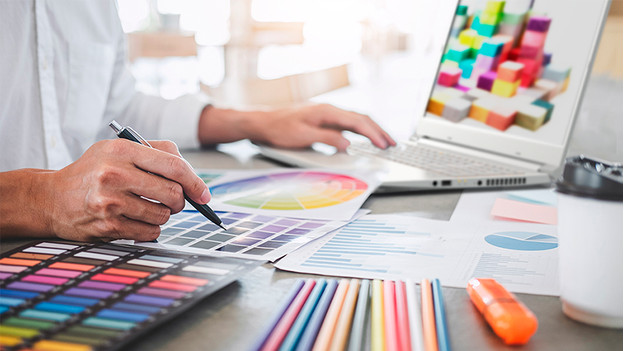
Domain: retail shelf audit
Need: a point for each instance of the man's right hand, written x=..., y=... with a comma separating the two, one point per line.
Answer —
x=104, y=194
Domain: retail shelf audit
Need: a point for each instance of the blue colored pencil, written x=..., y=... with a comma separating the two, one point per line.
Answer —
x=314, y=325
x=357, y=329
x=280, y=312
x=440, y=316
x=294, y=335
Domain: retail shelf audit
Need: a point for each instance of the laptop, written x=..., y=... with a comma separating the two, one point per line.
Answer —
x=501, y=108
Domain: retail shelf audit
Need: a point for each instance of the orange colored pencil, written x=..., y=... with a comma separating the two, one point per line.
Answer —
x=325, y=335
x=429, y=328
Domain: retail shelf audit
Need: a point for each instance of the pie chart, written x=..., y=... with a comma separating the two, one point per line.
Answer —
x=522, y=241
x=297, y=190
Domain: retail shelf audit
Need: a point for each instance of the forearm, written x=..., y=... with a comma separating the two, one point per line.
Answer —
x=217, y=125
x=24, y=203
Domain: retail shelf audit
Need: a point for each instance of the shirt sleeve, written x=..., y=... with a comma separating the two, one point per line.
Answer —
x=152, y=116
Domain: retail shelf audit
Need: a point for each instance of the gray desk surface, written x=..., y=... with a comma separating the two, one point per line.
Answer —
x=233, y=318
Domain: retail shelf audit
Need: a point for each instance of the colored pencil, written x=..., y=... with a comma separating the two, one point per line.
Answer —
x=415, y=316
x=326, y=333
x=378, y=342
x=280, y=312
x=403, y=323
x=390, y=320
x=294, y=335
x=429, y=328
x=341, y=335
x=440, y=316
x=283, y=326
x=309, y=334
x=359, y=318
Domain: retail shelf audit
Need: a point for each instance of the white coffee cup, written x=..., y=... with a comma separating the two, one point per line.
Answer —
x=590, y=241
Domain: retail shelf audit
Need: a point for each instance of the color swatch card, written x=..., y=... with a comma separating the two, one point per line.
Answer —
x=523, y=256
x=82, y=296
x=257, y=237
x=310, y=194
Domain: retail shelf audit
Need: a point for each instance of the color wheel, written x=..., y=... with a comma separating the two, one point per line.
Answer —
x=298, y=190
x=522, y=241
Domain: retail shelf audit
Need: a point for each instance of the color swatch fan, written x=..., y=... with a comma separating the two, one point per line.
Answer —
x=301, y=194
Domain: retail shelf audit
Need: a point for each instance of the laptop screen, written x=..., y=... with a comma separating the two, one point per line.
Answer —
x=511, y=75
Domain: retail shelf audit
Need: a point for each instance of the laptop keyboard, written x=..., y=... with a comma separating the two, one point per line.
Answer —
x=435, y=160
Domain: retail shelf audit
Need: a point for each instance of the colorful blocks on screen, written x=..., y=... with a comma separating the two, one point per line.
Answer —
x=538, y=24
x=449, y=76
x=491, y=48
x=513, y=18
x=548, y=106
x=509, y=71
x=533, y=38
x=480, y=109
x=548, y=86
x=476, y=93
x=456, y=109
x=466, y=68
x=556, y=73
x=487, y=30
x=461, y=10
x=490, y=18
x=504, y=88
x=547, y=58
x=494, y=6
x=467, y=37
x=531, y=117
x=457, y=52
x=501, y=117
x=486, y=80
x=436, y=103
x=533, y=93
x=478, y=41
x=459, y=23
x=486, y=63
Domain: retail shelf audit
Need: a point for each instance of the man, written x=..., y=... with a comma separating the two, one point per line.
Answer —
x=64, y=78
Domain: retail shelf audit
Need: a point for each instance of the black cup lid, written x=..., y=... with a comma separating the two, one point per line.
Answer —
x=586, y=177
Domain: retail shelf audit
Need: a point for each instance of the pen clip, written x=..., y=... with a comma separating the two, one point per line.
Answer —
x=120, y=130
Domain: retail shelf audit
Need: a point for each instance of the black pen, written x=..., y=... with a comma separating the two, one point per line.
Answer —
x=131, y=134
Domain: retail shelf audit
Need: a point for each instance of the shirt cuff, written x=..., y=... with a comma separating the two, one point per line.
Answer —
x=181, y=120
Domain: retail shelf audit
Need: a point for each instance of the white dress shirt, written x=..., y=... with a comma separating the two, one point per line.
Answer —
x=64, y=77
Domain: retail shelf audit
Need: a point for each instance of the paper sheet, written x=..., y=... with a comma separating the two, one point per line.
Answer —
x=296, y=193
x=521, y=211
x=521, y=256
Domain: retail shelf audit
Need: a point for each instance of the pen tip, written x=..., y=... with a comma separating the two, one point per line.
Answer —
x=222, y=226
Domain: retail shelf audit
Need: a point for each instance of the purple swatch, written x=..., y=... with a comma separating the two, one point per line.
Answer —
x=311, y=225
x=98, y=294
x=148, y=300
x=486, y=80
x=101, y=285
x=162, y=293
x=538, y=23
x=30, y=286
x=5, y=275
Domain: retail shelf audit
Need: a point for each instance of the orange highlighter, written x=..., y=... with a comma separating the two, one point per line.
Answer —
x=510, y=319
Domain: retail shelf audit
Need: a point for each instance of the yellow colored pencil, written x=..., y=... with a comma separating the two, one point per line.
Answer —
x=378, y=341
x=428, y=316
x=341, y=335
x=331, y=318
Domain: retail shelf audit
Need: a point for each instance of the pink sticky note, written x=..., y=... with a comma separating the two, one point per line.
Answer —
x=522, y=211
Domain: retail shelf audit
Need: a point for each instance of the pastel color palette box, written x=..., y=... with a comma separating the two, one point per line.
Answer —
x=85, y=296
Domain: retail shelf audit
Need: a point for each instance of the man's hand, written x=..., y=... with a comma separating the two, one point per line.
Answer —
x=104, y=194
x=294, y=127
x=300, y=127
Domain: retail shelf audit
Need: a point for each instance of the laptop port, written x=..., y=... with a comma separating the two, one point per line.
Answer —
x=446, y=183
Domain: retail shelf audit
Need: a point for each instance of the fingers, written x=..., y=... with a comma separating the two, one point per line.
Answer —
x=146, y=211
x=171, y=167
x=126, y=228
x=358, y=123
